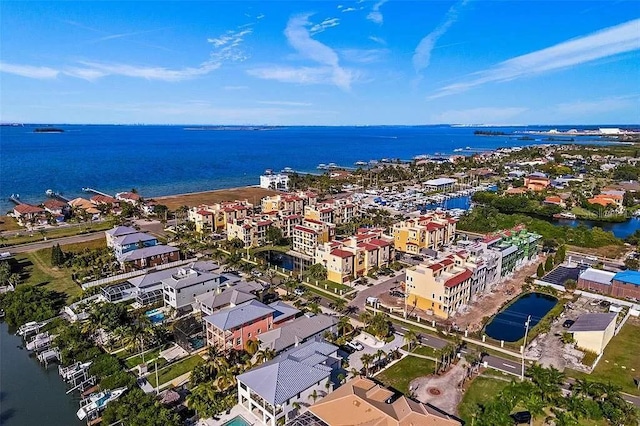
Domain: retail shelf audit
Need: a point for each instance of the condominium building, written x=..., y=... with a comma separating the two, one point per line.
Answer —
x=310, y=233
x=252, y=231
x=516, y=247
x=430, y=231
x=215, y=217
x=439, y=287
x=288, y=203
x=334, y=211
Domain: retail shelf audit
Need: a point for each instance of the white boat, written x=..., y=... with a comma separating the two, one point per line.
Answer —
x=40, y=340
x=458, y=150
x=70, y=372
x=322, y=166
x=97, y=402
x=28, y=328
x=360, y=163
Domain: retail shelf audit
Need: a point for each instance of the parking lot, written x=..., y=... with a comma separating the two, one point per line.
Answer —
x=368, y=348
x=550, y=350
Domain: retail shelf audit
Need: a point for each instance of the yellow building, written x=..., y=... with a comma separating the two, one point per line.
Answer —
x=355, y=256
x=334, y=211
x=288, y=203
x=216, y=217
x=592, y=332
x=431, y=231
x=439, y=287
x=310, y=233
x=251, y=231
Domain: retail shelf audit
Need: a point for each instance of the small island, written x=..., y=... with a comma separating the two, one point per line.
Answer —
x=48, y=130
x=488, y=133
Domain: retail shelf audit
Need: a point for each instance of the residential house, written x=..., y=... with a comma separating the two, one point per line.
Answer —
x=536, y=182
x=215, y=217
x=593, y=331
x=103, y=200
x=239, y=293
x=298, y=331
x=365, y=402
x=149, y=257
x=129, y=197
x=130, y=242
x=57, y=208
x=276, y=181
x=612, y=199
x=232, y=327
x=271, y=391
x=28, y=214
x=554, y=200
x=288, y=203
x=182, y=287
x=116, y=232
x=85, y=206
x=252, y=231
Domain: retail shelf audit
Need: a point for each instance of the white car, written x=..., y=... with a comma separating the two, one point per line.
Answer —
x=355, y=345
x=298, y=291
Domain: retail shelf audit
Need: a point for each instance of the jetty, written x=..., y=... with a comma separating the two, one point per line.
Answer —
x=52, y=354
x=15, y=198
x=56, y=195
x=95, y=191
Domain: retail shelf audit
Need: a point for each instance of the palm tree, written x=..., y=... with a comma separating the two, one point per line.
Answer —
x=410, y=337
x=380, y=354
x=314, y=396
x=366, y=317
x=344, y=324
x=252, y=346
x=296, y=406
x=340, y=304
x=366, y=362
x=264, y=355
x=225, y=379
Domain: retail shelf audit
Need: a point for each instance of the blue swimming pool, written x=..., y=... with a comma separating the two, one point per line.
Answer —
x=156, y=316
x=237, y=421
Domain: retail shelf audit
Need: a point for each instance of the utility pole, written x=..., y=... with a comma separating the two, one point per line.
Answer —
x=158, y=384
x=524, y=345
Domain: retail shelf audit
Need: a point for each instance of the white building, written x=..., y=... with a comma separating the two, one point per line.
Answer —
x=270, y=391
x=440, y=184
x=278, y=181
x=181, y=288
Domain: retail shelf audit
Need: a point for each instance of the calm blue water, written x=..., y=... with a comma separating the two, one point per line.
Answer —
x=164, y=160
x=620, y=230
x=237, y=421
x=508, y=325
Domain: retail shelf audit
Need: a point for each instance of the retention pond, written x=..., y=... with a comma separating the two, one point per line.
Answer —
x=509, y=324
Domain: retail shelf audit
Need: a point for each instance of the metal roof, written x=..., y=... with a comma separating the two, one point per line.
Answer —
x=235, y=316
x=296, y=331
x=629, y=277
x=148, y=251
x=593, y=322
x=597, y=275
x=133, y=238
x=188, y=277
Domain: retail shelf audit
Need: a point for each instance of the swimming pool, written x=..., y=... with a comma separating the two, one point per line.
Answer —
x=155, y=315
x=237, y=421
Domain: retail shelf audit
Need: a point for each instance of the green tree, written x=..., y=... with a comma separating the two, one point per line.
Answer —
x=540, y=271
x=571, y=284
x=317, y=272
x=561, y=254
x=274, y=235
x=548, y=264
x=410, y=337
x=632, y=263
x=137, y=408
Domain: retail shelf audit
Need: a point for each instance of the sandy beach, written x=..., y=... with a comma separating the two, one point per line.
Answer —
x=253, y=194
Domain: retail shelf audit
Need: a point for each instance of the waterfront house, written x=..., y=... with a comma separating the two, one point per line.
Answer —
x=238, y=293
x=271, y=391
x=132, y=241
x=277, y=181
x=149, y=257
x=297, y=331
x=365, y=402
x=58, y=209
x=554, y=200
x=537, y=182
x=181, y=288
x=86, y=206
x=103, y=200
x=28, y=214
x=129, y=197
x=593, y=331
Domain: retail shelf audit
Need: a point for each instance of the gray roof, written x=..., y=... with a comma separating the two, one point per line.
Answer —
x=186, y=277
x=152, y=278
x=440, y=181
x=296, y=331
x=121, y=230
x=509, y=250
x=133, y=238
x=284, y=311
x=597, y=275
x=205, y=265
x=291, y=372
x=147, y=252
x=230, y=296
x=235, y=316
x=593, y=322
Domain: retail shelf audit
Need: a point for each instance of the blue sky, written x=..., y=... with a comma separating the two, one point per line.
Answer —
x=334, y=63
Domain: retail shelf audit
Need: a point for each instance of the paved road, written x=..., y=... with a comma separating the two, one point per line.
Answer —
x=504, y=365
x=25, y=248
x=374, y=291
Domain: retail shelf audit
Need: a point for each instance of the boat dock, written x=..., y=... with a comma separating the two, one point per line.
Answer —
x=15, y=198
x=52, y=194
x=95, y=191
x=52, y=354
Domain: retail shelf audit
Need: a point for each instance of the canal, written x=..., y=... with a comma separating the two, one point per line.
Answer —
x=30, y=394
x=508, y=324
x=620, y=229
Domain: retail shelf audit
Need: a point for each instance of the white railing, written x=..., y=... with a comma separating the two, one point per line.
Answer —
x=132, y=274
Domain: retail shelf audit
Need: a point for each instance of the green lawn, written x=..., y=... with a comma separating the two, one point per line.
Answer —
x=622, y=351
x=424, y=350
x=7, y=223
x=30, y=237
x=171, y=372
x=331, y=286
x=400, y=374
x=314, y=290
x=481, y=390
x=136, y=360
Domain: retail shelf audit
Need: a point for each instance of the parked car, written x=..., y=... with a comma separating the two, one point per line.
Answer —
x=568, y=323
x=299, y=291
x=355, y=345
x=605, y=304
x=396, y=293
x=348, y=349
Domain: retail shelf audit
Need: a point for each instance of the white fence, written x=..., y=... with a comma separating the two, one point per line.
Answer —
x=135, y=273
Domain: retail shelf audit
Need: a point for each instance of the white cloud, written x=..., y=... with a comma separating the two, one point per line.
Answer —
x=230, y=38
x=328, y=70
x=151, y=73
x=581, y=107
x=29, y=71
x=363, y=56
x=378, y=40
x=485, y=115
x=601, y=44
x=89, y=74
x=285, y=103
x=327, y=23
x=349, y=9
x=375, y=15
x=235, y=87
x=422, y=54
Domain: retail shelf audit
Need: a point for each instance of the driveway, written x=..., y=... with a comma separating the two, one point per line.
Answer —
x=354, y=358
x=374, y=291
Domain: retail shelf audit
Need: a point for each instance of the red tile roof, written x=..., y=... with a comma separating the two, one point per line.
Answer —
x=104, y=199
x=380, y=243
x=204, y=213
x=27, y=209
x=458, y=279
x=54, y=204
x=304, y=229
x=447, y=262
x=342, y=253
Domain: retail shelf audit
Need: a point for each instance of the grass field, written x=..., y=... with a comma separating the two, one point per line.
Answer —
x=35, y=268
x=171, y=372
x=249, y=193
x=609, y=252
x=481, y=390
x=622, y=351
x=56, y=232
x=8, y=223
x=400, y=374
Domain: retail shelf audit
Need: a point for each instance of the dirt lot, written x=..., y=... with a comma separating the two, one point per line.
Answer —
x=489, y=304
x=249, y=193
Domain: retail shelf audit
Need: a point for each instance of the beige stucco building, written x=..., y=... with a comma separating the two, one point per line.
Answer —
x=592, y=332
